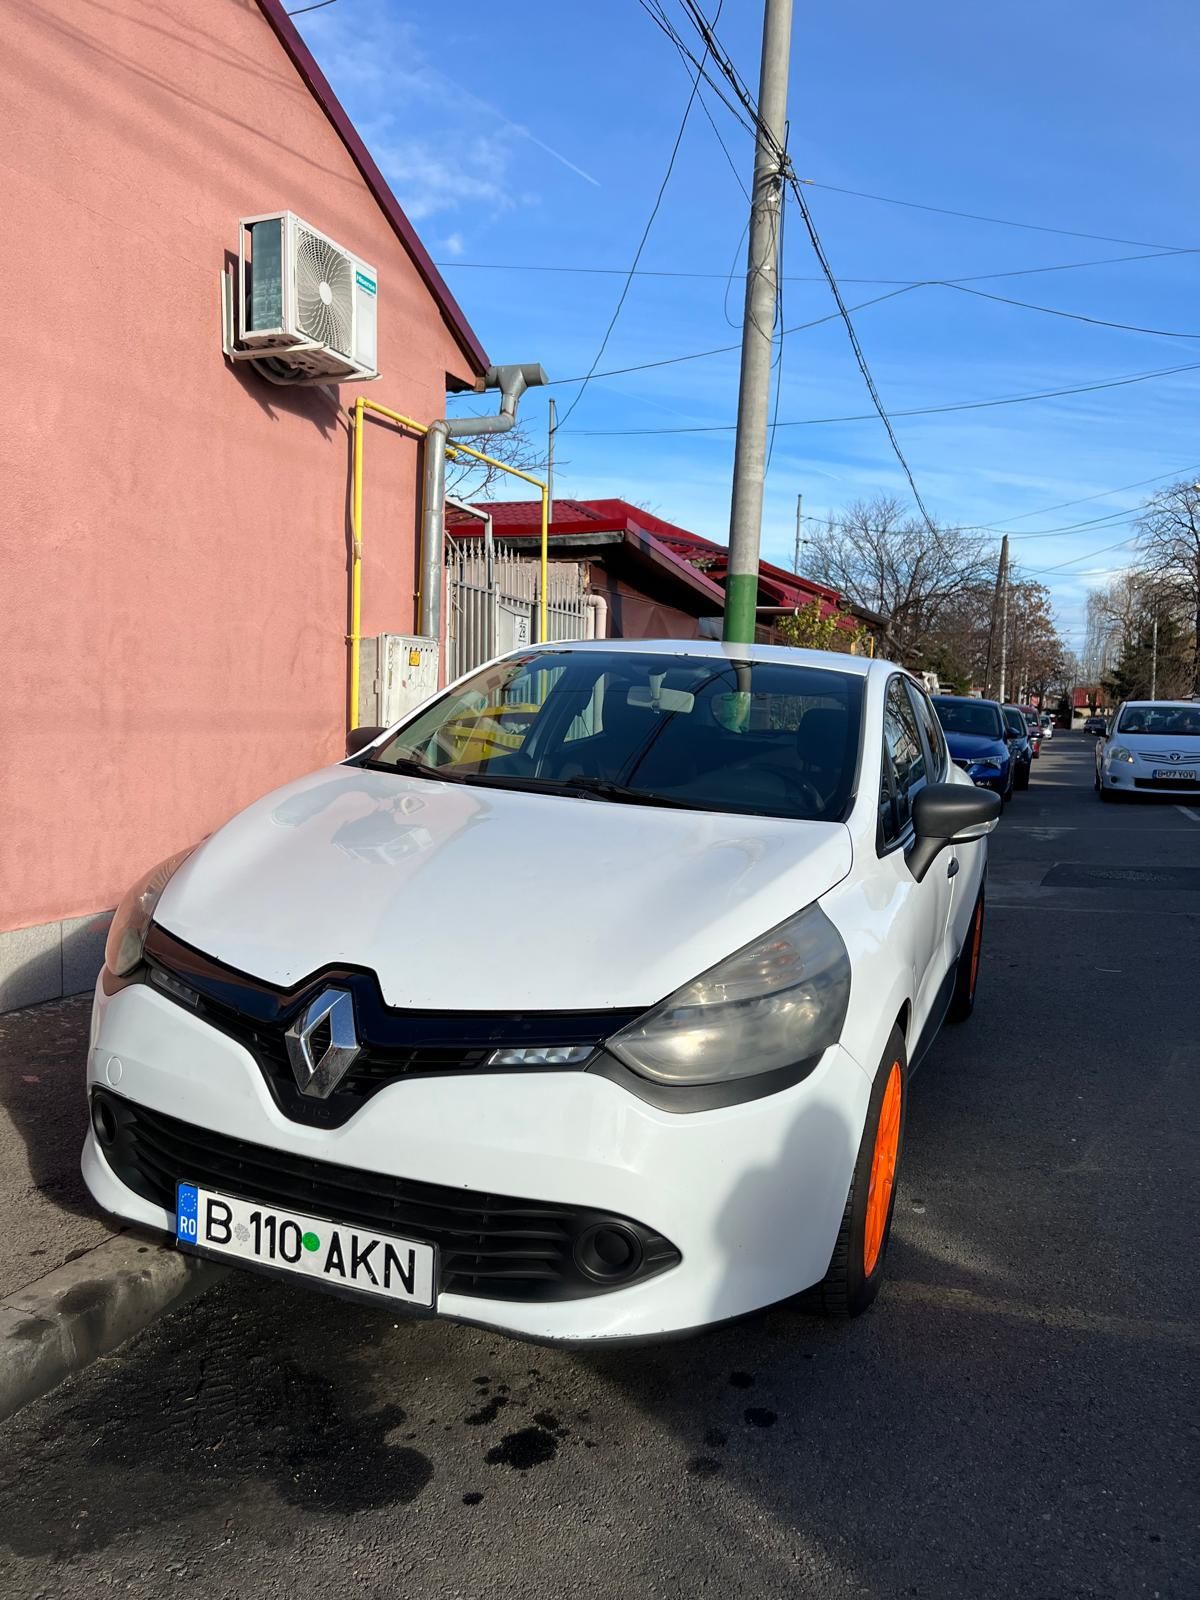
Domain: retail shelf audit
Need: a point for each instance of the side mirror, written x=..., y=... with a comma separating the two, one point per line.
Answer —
x=945, y=814
x=359, y=738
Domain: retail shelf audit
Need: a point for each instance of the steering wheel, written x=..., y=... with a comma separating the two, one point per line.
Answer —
x=792, y=783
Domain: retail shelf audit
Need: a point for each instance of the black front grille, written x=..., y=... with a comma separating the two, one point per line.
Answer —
x=395, y=1044
x=492, y=1246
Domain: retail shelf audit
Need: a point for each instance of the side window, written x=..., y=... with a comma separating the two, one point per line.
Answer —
x=931, y=728
x=903, y=761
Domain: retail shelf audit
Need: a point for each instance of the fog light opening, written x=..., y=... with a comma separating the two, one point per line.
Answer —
x=608, y=1252
x=104, y=1122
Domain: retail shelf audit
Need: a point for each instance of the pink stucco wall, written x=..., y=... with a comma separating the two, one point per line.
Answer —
x=173, y=551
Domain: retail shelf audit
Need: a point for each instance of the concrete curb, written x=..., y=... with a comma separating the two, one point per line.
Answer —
x=59, y=1324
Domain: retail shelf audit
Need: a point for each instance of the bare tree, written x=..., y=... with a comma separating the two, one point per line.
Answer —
x=468, y=479
x=1035, y=647
x=1169, y=530
x=1110, y=614
x=880, y=557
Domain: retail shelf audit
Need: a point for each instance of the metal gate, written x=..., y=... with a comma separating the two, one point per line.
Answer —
x=493, y=602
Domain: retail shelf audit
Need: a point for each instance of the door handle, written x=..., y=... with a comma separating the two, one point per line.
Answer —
x=952, y=869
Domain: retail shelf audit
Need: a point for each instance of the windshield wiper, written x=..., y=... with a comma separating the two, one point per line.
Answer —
x=605, y=789
x=413, y=767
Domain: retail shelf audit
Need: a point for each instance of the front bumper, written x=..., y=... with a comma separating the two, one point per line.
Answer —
x=750, y=1195
x=1137, y=777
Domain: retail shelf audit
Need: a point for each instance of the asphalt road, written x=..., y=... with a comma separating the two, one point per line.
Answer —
x=1016, y=1417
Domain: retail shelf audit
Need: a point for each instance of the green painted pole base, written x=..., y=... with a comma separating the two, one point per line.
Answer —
x=741, y=601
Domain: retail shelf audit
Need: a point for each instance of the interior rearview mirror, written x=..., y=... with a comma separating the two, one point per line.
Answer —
x=945, y=814
x=359, y=738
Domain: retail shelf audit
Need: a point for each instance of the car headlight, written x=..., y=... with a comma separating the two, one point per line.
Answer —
x=987, y=766
x=775, y=1002
x=1119, y=753
x=131, y=921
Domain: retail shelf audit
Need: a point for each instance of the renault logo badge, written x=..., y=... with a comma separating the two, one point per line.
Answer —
x=319, y=1075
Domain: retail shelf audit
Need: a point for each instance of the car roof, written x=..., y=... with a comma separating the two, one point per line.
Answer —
x=1191, y=705
x=975, y=699
x=709, y=649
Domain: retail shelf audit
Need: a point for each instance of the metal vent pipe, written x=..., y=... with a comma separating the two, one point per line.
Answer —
x=512, y=382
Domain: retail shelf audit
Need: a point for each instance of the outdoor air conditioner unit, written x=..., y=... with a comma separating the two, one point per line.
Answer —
x=307, y=307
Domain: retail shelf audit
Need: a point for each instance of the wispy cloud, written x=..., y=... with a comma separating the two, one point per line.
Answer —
x=467, y=158
x=429, y=182
x=453, y=244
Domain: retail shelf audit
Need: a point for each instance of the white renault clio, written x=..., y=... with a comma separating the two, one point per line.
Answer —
x=580, y=1005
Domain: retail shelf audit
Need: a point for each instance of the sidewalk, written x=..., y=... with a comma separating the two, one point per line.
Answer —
x=71, y=1286
x=46, y=1216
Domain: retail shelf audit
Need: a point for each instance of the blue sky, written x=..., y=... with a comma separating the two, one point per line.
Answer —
x=536, y=135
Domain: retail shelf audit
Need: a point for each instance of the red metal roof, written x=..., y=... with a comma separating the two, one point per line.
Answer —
x=706, y=558
x=318, y=85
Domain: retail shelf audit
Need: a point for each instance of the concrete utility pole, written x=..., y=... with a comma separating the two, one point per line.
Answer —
x=762, y=270
x=1003, y=614
x=799, y=536
x=1154, y=659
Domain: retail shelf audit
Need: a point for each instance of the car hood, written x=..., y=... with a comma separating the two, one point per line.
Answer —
x=1186, y=745
x=971, y=746
x=473, y=899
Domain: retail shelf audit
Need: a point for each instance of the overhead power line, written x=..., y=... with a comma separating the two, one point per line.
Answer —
x=637, y=255
x=1073, y=316
x=859, y=356
x=1002, y=222
x=724, y=349
x=1103, y=494
x=1103, y=551
x=911, y=411
x=714, y=51
x=792, y=277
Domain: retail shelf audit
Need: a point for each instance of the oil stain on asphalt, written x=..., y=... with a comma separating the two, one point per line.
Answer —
x=528, y=1447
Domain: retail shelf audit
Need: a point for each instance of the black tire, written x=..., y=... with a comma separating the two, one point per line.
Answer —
x=1096, y=781
x=1107, y=795
x=1023, y=778
x=848, y=1287
x=966, y=976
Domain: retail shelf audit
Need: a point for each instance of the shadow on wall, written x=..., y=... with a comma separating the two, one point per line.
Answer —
x=319, y=404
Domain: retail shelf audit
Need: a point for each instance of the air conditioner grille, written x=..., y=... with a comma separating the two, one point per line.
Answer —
x=324, y=292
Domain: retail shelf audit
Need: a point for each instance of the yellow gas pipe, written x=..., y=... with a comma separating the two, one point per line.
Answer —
x=354, y=637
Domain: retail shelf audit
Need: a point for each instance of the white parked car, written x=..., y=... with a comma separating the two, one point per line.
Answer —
x=1151, y=746
x=1047, y=725
x=590, y=1023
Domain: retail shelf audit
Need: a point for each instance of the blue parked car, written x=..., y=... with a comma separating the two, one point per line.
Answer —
x=975, y=734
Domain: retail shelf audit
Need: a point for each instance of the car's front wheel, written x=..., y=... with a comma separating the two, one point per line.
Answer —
x=856, y=1266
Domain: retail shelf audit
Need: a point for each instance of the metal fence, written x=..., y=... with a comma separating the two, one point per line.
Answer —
x=493, y=603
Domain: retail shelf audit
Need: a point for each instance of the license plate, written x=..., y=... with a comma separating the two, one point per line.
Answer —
x=331, y=1252
x=1188, y=774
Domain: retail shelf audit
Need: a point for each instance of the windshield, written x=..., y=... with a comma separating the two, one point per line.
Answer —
x=980, y=717
x=1160, y=719
x=701, y=732
x=1014, y=720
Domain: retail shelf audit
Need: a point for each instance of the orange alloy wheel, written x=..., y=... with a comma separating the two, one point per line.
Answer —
x=883, y=1169
x=976, y=941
